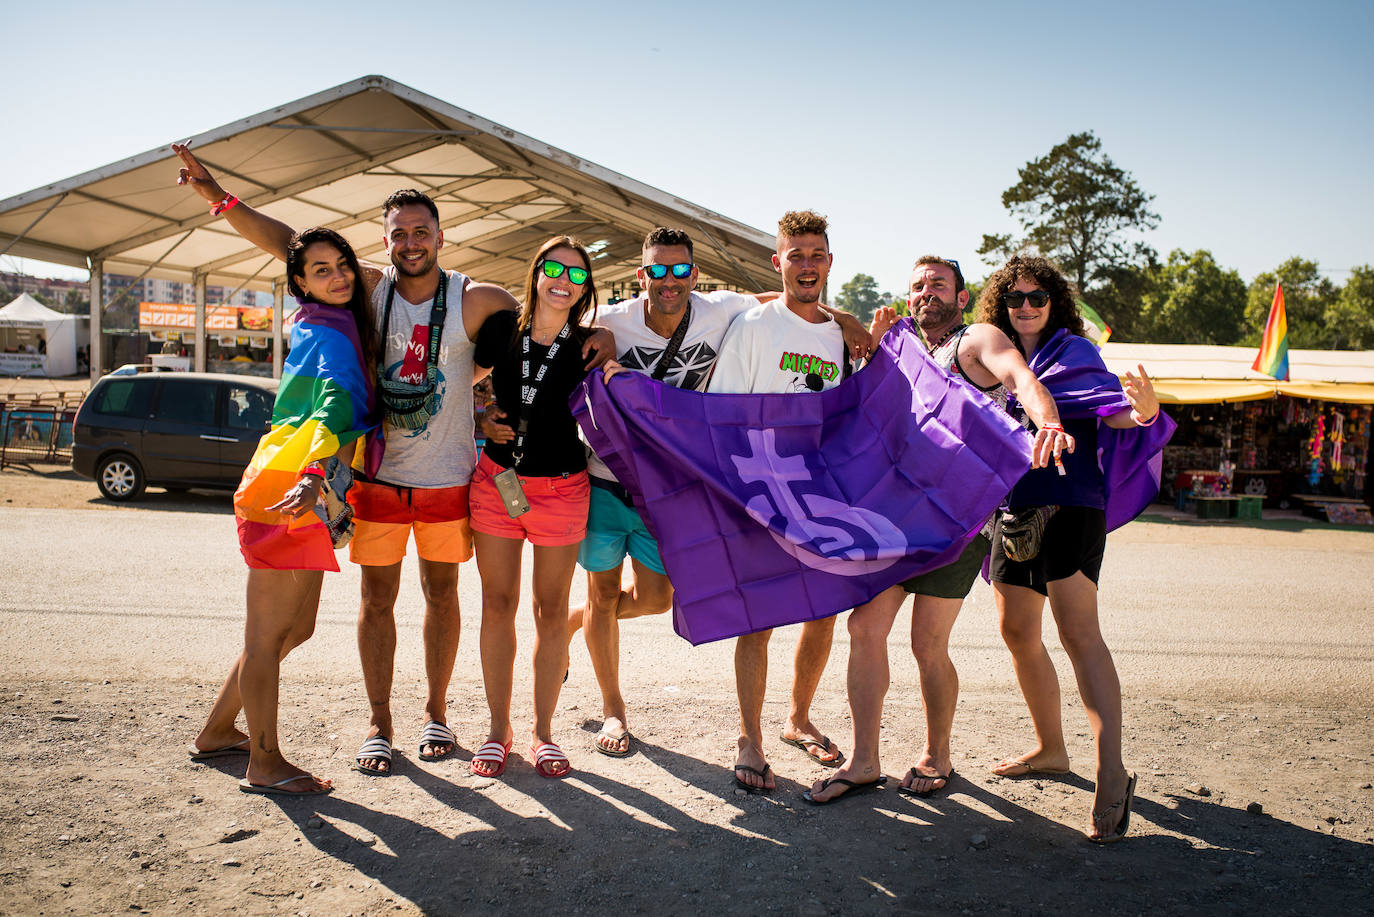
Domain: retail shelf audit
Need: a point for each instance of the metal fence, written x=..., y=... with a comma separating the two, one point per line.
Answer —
x=36, y=431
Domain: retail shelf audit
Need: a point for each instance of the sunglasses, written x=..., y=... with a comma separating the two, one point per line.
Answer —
x=1038, y=299
x=576, y=275
x=659, y=271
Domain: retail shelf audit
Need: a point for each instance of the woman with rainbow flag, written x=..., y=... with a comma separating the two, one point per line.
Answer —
x=1051, y=542
x=324, y=405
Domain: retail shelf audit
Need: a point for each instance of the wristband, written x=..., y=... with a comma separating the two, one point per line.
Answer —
x=226, y=204
x=1053, y=427
x=1135, y=415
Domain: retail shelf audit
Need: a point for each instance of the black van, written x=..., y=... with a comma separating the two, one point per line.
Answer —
x=172, y=430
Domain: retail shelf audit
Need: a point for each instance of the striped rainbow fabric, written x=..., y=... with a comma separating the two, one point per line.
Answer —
x=1272, y=359
x=324, y=402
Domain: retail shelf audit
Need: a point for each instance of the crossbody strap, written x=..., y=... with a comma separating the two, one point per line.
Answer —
x=438, y=312
x=674, y=344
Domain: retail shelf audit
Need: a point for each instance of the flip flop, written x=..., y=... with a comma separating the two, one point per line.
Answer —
x=1124, y=804
x=917, y=775
x=436, y=733
x=1019, y=769
x=855, y=789
x=546, y=755
x=761, y=774
x=375, y=747
x=491, y=751
x=228, y=751
x=611, y=752
x=277, y=789
x=824, y=744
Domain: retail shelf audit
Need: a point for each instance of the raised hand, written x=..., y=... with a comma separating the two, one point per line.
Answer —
x=196, y=175
x=1140, y=392
x=884, y=317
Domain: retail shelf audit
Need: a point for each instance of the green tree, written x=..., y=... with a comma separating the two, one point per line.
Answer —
x=1350, y=318
x=1193, y=300
x=1307, y=298
x=860, y=296
x=75, y=303
x=1076, y=207
x=1120, y=295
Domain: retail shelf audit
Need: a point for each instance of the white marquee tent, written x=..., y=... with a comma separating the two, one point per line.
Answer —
x=332, y=158
x=35, y=340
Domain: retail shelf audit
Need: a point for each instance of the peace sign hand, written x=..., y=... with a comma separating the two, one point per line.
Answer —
x=196, y=175
x=1140, y=392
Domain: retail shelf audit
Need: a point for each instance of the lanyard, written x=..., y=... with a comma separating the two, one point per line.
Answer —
x=438, y=311
x=674, y=343
x=529, y=385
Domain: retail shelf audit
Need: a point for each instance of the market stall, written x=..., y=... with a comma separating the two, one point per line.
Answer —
x=37, y=341
x=1297, y=444
x=238, y=338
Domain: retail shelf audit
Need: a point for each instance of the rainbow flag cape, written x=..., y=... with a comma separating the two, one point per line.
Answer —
x=1272, y=359
x=324, y=402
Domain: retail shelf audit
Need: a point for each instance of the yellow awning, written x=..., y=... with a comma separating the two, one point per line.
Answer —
x=1211, y=391
x=1351, y=392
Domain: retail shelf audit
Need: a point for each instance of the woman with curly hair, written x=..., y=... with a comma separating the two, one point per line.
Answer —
x=1070, y=507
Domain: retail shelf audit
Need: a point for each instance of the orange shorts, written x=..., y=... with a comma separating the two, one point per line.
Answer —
x=385, y=514
x=558, y=507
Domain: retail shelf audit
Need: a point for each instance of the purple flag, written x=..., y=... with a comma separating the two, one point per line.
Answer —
x=776, y=509
x=1082, y=386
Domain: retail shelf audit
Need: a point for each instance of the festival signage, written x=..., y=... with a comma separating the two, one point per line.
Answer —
x=161, y=316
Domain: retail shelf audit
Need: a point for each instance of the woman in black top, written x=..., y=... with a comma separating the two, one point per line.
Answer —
x=532, y=486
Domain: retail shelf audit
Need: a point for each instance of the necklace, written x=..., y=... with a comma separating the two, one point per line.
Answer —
x=940, y=343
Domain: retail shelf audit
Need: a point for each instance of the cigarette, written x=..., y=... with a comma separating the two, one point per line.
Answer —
x=1059, y=464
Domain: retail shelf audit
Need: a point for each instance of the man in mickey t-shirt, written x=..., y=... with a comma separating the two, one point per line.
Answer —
x=787, y=345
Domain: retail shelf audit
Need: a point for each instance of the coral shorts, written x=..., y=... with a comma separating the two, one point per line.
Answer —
x=558, y=507
x=384, y=515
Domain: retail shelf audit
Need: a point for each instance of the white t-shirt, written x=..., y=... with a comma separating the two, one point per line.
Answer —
x=771, y=349
x=443, y=452
x=639, y=347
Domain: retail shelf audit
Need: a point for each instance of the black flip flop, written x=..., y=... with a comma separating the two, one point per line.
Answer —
x=928, y=793
x=824, y=743
x=1125, y=822
x=761, y=774
x=855, y=789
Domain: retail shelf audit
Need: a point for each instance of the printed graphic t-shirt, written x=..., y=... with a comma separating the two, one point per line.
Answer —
x=443, y=452
x=770, y=348
x=639, y=347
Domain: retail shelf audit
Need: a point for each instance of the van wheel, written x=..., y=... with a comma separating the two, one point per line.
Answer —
x=119, y=477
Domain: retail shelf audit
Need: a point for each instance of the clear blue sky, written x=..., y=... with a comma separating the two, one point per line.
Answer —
x=904, y=122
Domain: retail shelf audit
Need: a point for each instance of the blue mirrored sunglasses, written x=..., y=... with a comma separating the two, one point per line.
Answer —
x=659, y=271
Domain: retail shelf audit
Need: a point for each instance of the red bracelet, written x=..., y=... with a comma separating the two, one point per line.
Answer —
x=226, y=204
x=1057, y=427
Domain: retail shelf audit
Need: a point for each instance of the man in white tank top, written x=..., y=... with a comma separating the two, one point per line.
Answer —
x=985, y=358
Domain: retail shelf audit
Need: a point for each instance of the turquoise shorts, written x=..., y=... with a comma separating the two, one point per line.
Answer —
x=614, y=530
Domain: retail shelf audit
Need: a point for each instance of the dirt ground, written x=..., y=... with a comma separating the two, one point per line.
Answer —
x=1245, y=653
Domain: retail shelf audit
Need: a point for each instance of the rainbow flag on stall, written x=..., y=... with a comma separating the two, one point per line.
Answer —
x=1272, y=359
x=324, y=402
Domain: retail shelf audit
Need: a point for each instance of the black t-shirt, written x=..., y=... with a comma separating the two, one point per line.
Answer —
x=551, y=443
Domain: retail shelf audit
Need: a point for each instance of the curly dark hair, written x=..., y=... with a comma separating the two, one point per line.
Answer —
x=1063, y=308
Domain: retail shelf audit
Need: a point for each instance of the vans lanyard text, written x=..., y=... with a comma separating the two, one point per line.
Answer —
x=529, y=385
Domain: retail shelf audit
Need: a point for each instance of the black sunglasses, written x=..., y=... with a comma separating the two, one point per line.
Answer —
x=1038, y=299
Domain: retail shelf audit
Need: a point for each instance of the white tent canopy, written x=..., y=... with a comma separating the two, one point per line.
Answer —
x=1208, y=374
x=35, y=340
x=331, y=159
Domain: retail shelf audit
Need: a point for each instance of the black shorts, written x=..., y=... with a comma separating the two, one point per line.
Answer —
x=1075, y=538
x=954, y=579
